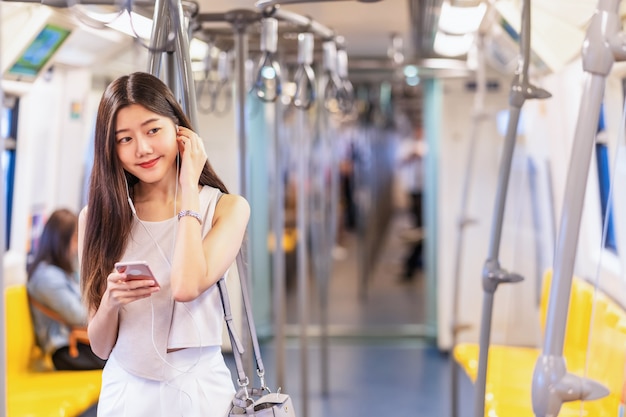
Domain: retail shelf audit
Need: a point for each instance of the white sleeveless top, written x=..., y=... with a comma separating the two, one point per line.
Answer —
x=148, y=327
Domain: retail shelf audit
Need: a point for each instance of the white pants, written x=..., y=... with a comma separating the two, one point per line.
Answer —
x=200, y=386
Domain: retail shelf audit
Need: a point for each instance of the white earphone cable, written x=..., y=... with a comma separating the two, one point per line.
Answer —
x=168, y=262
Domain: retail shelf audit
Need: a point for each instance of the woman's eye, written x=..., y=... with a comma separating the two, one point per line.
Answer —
x=154, y=130
x=124, y=140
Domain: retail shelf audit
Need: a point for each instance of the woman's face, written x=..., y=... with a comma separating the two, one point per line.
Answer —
x=145, y=143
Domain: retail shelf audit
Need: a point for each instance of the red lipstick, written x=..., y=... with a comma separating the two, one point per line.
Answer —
x=149, y=164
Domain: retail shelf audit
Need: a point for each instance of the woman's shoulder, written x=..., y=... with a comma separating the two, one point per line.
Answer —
x=225, y=199
x=233, y=206
x=46, y=274
x=233, y=201
x=46, y=267
x=82, y=216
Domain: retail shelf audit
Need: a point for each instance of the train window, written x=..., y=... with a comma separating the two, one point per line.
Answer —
x=604, y=185
x=8, y=130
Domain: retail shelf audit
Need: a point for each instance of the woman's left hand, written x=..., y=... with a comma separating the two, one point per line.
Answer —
x=193, y=156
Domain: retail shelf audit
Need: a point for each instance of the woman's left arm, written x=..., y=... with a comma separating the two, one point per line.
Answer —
x=199, y=264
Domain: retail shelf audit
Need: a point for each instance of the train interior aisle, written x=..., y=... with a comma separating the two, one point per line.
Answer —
x=302, y=107
x=381, y=359
x=382, y=304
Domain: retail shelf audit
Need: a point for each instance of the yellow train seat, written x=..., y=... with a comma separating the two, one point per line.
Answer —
x=32, y=392
x=594, y=346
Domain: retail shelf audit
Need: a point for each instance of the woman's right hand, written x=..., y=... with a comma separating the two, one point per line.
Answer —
x=103, y=322
x=122, y=290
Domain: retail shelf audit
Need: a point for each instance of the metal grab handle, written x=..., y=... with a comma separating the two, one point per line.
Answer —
x=267, y=83
x=304, y=95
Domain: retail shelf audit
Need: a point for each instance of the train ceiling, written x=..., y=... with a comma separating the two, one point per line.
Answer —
x=370, y=28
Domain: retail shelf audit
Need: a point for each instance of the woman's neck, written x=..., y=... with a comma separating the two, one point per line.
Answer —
x=157, y=201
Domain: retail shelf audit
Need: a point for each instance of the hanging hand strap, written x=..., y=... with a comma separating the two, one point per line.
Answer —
x=238, y=349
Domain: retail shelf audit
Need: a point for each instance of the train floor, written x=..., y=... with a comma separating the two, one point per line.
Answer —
x=378, y=363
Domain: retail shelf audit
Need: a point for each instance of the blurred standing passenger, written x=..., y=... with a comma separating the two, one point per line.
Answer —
x=346, y=175
x=53, y=283
x=411, y=153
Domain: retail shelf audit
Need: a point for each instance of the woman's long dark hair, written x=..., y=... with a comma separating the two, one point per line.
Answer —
x=55, y=240
x=109, y=218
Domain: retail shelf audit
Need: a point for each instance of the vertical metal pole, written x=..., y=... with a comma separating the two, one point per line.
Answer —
x=185, y=72
x=171, y=75
x=330, y=187
x=551, y=363
x=169, y=18
x=302, y=252
x=463, y=221
x=278, y=257
x=493, y=275
x=323, y=294
x=241, y=54
x=572, y=212
x=159, y=33
x=330, y=222
x=320, y=238
x=604, y=43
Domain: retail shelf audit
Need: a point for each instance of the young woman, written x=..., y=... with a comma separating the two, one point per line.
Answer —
x=154, y=197
x=53, y=286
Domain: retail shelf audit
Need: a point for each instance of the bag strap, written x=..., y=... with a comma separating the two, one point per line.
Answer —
x=238, y=348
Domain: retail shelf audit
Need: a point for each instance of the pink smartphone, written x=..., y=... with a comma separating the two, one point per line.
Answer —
x=136, y=270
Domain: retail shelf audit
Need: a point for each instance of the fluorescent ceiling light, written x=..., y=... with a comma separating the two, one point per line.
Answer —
x=460, y=20
x=198, y=49
x=142, y=25
x=452, y=45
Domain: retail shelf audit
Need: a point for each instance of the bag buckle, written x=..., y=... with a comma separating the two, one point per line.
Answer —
x=261, y=375
x=243, y=383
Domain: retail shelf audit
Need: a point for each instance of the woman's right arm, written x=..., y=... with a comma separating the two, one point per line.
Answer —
x=103, y=322
x=102, y=329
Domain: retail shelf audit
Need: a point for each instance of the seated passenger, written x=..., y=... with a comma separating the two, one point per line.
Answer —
x=54, y=291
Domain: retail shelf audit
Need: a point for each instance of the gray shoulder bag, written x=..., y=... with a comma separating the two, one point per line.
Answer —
x=256, y=402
